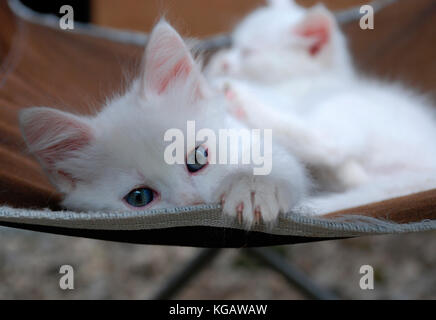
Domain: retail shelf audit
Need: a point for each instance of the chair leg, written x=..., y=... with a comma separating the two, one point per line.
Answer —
x=191, y=269
x=271, y=259
x=294, y=276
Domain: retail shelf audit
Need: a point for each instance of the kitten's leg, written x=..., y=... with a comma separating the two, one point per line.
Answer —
x=309, y=144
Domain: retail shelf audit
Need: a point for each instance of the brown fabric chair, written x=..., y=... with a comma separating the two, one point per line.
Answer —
x=43, y=66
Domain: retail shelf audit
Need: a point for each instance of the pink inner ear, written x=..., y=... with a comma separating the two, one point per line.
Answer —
x=59, y=151
x=180, y=70
x=77, y=136
x=319, y=31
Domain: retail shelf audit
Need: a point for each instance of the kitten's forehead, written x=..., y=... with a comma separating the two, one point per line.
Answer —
x=131, y=130
x=166, y=111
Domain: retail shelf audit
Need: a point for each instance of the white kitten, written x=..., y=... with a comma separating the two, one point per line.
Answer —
x=283, y=52
x=281, y=42
x=367, y=139
x=115, y=160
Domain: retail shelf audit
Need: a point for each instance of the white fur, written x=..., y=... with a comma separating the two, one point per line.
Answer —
x=363, y=140
x=126, y=149
x=267, y=49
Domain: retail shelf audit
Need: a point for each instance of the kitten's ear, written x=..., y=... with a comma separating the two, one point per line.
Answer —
x=56, y=138
x=167, y=60
x=317, y=27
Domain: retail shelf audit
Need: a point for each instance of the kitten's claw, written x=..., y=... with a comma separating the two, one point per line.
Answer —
x=240, y=217
x=223, y=200
x=239, y=210
x=257, y=215
x=253, y=201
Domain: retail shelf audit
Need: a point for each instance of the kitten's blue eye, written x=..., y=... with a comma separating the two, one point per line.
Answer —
x=197, y=159
x=139, y=197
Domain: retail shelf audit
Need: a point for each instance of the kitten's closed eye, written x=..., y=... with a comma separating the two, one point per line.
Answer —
x=140, y=197
x=197, y=159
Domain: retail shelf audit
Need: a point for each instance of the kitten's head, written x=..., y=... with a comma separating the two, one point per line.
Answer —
x=115, y=160
x=281, y=41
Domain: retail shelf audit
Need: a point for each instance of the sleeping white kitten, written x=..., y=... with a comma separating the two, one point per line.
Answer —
x=284, y=53
x=282, y=42
x=115, y=160
x=362, y=138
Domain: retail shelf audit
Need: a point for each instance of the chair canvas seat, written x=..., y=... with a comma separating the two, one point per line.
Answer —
x=43, y=65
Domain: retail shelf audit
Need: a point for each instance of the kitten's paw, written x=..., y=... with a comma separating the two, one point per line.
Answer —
x=251, y=200
x=237, y=104
x=351, y=174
